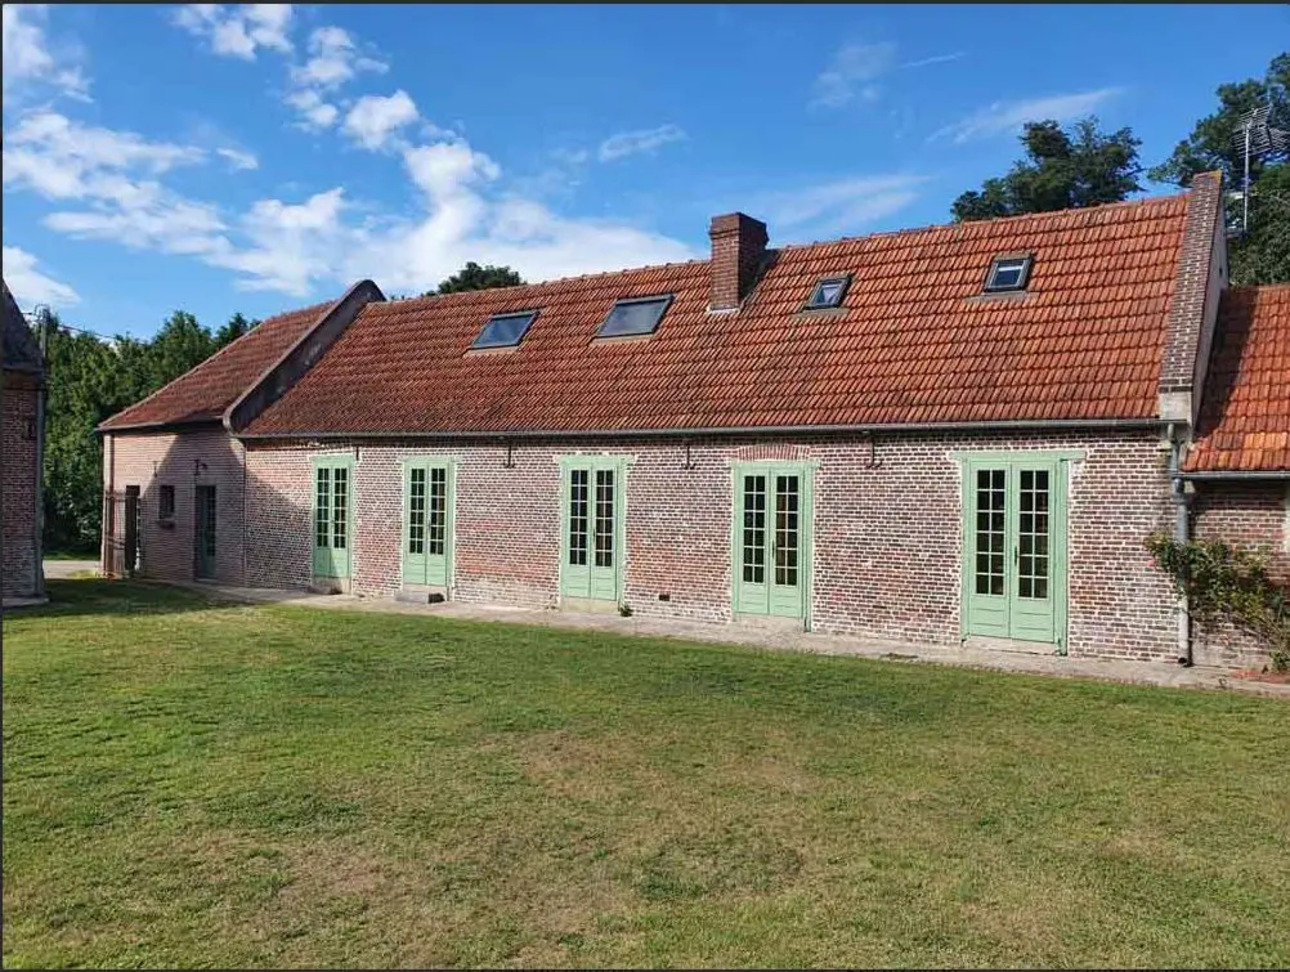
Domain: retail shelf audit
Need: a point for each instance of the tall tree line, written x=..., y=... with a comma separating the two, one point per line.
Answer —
x=90, y=378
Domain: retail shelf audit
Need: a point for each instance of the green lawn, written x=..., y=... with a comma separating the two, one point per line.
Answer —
x=194, y=784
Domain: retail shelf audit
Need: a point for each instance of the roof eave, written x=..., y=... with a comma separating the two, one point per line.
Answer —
x=711, y=431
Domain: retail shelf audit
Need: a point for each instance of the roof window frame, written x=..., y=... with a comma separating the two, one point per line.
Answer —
x=666, y=300
x=532, y=315
x=1023, y=281
x=843, y=278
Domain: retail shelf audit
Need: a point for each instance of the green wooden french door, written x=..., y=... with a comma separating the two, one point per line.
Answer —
x=1014, y=549
x=204, y=526
x=772, y=531
x=592, y=528
x=333, y=505
x=427, y=522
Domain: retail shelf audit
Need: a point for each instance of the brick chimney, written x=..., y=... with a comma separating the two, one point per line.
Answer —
x=738, y=246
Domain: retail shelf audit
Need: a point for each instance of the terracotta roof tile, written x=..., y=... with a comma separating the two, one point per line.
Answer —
x=202, y=394
x=1245, y=415
x=916, y=341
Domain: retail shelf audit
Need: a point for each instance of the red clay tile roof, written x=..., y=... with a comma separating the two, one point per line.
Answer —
x=1245, y=415
x=202, y=395
x=915, y=342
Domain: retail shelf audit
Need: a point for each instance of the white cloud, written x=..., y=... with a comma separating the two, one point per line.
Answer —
x=238, y=159
x=1004, y=117
x=333, y=60
x=373, y=119
x=851, y=73
x=62, y=159
x=315, y=113
x=29, y=59
x=839, y=207
x=239, y=31
x=630, y=143
x=32, y=286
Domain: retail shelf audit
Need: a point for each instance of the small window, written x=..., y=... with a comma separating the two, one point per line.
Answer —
x=505, y=330
x=1008, y=273
x=166, y=503
x=829, y=292
x=636, y=316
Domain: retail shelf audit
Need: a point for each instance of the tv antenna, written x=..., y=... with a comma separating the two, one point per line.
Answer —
x=1257, y=139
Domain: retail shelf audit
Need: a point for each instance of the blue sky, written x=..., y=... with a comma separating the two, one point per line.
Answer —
x=257, y=158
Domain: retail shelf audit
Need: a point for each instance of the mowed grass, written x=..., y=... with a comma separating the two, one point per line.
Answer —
x=195, y=784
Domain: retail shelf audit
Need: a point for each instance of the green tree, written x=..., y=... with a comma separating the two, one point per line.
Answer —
x=179, y=345
x=1262, y=255
x=474, y=277
x=1062, y=170
x=237, y=326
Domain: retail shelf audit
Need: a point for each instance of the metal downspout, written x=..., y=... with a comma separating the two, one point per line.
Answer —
x=1182, y=531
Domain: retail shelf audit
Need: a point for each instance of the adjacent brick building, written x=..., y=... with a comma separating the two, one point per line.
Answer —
x=955, y=434
x=23, y=439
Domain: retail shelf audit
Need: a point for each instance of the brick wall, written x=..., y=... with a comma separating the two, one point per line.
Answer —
x=20, y=569
x=1247, y=514
x=887, y=529
x=151, y=460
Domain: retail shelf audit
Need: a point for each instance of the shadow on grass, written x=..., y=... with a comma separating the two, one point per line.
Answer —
x=97, y=595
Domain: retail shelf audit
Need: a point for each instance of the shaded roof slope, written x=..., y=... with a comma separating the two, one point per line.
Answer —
x=1245, y=415
x=21, y=352
x=202, y=394
x=915, y=342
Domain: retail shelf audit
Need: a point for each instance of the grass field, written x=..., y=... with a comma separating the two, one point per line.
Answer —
x=194, y=784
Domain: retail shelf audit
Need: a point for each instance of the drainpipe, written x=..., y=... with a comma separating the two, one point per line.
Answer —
x=1182, y=530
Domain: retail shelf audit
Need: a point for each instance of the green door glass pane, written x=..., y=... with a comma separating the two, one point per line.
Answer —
x=786, y=530
x=437, y=526
x=322, y=508
x=578, y=517
x=754, y=528
x=990, y=512
x=417, y=510
x=604, y=518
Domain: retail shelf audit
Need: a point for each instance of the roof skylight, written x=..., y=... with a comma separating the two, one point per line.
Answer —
x=1008, y=273
x=504, y=330
x=829, y=292
x=638, y=315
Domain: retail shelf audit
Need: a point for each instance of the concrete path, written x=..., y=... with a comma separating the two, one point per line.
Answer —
x=1141, y=673
x=63, y=569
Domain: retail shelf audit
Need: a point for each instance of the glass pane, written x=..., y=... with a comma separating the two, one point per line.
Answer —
x=604, y=518
x=634, y=317
x=340, y=509
x=786, y=524
x=578, y=517
x=503, y=330
x=417, y=512
x=1032, y=535
x=754, y=559
x=322, y=507
x=989, y=531
x=437, y=527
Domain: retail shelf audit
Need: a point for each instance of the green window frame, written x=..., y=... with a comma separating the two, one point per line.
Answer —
x=772, y=541
x=1014, y=545
x=332, y=515
x=593, y=526
x=429, y=520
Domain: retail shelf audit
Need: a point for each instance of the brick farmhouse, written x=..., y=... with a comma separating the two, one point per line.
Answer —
x=958, y=434
x=20, y=461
